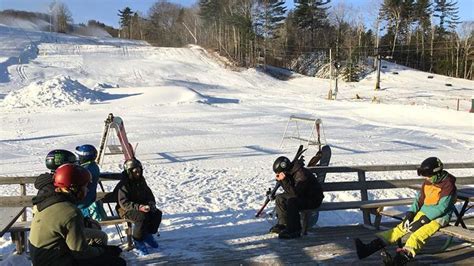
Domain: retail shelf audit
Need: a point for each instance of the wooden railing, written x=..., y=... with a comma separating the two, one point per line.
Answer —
x=24, y=200
x=361, y=184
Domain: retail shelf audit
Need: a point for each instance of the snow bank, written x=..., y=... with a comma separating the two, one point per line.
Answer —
x=56, y=92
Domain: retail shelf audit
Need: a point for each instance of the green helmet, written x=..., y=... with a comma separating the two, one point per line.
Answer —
x=56, y=158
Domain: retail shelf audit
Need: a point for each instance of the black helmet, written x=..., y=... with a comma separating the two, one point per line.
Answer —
x=56, y=158
x=281, y=164
x=430, y=167
x=131, y=164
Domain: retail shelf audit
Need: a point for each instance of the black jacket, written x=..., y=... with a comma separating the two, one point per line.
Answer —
x=132, y=193
x=301, y=183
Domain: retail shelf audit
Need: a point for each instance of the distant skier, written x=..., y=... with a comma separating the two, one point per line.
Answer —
x=57, y=229
x=302, y=191
x=431, y=210
x=136, y=202
x=90, y=208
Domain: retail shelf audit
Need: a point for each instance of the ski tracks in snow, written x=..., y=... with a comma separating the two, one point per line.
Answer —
x=20, y=69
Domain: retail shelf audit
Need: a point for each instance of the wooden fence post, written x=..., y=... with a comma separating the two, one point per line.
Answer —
x=364, y=196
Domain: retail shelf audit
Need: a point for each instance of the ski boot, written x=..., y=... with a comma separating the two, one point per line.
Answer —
x=140, y=248
x=150, y=241
x=402, y=258
x=386, y=258
x=277, y=228
x=365, y=250
x=286, y=234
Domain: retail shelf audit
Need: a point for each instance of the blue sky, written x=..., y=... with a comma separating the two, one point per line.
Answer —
x=106, y=10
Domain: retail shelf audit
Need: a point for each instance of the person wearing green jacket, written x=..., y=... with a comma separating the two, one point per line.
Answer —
x=57, y=229
x=431, y=210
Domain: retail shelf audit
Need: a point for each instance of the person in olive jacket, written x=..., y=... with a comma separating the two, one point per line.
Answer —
x=57, y=229
x=136, y=202
x=302, y=192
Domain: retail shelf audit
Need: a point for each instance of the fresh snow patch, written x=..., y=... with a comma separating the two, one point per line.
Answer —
x=57, y=92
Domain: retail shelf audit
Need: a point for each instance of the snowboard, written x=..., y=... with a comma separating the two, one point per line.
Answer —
x=322, y=158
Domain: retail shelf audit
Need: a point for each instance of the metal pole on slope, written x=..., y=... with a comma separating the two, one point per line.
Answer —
x=377, y=82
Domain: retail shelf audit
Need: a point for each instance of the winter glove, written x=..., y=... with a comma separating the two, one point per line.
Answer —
x=407, y=220
x=113, y=250
x=152, y=206
x=144, y=208
x=419, y=223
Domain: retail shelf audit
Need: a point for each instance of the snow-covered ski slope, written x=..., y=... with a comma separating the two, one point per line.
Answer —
x=207, y=136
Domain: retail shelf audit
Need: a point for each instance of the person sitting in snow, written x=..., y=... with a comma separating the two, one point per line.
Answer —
x=302, y=192
x=431, y=210
x=57, y=229
x=136, y=202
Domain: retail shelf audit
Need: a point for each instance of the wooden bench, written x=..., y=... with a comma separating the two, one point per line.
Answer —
x=18, y=229
x=367, y=206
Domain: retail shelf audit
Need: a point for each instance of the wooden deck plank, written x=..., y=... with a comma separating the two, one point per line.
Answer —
x=327, y=245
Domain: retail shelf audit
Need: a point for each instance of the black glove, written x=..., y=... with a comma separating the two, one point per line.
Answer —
x=408, y=219
x=152, y=206
x=113, y=250
x=419, y=223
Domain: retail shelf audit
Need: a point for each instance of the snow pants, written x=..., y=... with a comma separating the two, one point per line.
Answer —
x=288, y=210
x=417, y=239
x=144, y=222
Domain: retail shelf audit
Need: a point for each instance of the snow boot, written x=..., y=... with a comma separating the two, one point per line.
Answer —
x=150, y=241
x=402, y=257
x=141, y=248
x=286, y=234
x=277, y=228
x=365, y=250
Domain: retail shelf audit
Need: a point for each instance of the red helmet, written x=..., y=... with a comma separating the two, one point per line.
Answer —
x=71, y=175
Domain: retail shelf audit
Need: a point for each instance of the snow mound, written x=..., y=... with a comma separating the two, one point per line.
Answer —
x=57, y=92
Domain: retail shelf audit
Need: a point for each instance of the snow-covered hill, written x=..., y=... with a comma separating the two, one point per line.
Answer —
x=207, y=136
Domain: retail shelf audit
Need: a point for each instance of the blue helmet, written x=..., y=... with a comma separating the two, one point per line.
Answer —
x=86, y=153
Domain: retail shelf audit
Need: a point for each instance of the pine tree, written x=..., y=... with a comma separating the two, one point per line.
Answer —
x=447, y=12
x=125, y=19
x=311, y=15
x=269, y=16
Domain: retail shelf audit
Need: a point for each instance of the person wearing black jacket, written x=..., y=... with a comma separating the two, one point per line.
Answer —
x=136, y=202
x=302, y=192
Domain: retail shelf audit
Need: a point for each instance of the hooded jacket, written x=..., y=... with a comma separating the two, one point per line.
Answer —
x=301, y=183
x=436, y=198
x=57, y=231
x=131, y=193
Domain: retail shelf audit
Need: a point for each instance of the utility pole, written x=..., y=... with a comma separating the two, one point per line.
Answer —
x=336, y=66
x=377, y=82
x=330, y=75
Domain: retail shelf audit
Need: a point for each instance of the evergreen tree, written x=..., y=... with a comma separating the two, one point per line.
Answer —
x=311, y=15
x=447, y=12
x=269, y=16
x=125, y=16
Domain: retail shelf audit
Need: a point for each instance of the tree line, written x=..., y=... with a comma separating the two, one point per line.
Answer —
x=423, y=34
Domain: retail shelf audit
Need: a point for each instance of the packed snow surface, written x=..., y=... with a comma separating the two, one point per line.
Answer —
x=206, y=135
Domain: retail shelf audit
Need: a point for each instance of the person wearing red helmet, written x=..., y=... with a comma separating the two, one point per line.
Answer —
x=57, y=230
